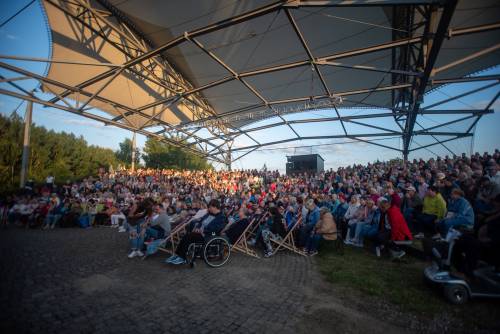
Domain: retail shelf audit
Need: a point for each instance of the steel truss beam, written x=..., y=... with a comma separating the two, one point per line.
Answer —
x=356, y=3
x=194, y=103
x=326, y=60
x=85, y=93
x=243, y=81
x=433, y=41
x=139, y=50
x=350, y=119
x=106, y=121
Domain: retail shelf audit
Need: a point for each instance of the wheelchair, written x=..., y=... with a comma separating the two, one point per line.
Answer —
x=215, y=252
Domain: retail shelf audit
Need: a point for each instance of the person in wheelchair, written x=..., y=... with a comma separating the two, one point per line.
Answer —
x=211, y=224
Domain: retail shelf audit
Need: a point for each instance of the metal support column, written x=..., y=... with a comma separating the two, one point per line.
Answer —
x=26, y=144
x=228, y=158
x=133, y=152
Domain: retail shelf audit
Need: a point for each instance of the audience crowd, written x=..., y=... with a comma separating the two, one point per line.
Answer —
x=386, y=203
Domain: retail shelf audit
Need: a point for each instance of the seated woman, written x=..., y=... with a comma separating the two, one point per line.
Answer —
x=349, y=215
x=212, y=223
x=274, y=229
x=325, y=229
x=234, y=229
x=357, y=218
x=137, y=225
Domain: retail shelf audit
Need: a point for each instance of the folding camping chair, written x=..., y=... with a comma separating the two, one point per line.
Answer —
x=241, y=245
x=288, y=241
x=174, y=237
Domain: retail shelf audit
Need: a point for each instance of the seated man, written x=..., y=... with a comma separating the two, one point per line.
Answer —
x=391, y=227
x=159, y=226
x=309, y=223
x=460, y=213
x=325, y=229
x=412, y=204
x=434, y=209
x=212, y=223
x=468, y=250
x=234, y=229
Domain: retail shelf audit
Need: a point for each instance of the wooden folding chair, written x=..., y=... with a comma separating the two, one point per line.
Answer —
x=288, y=241
x=254, y=229
x=241, y=245
x=174, y=237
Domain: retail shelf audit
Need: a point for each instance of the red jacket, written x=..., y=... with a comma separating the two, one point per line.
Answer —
x=399, y=229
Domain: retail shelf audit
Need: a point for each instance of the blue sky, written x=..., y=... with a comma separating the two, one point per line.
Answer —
x=27, y=35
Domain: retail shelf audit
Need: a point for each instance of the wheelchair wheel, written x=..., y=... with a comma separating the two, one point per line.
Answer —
x=216, y=252
x=191, y=254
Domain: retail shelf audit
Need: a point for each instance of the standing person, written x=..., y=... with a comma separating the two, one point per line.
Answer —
x=434, y=209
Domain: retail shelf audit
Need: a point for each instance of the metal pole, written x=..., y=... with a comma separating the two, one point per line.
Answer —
x=26, y=144
x=133, y=152
x=228, y=159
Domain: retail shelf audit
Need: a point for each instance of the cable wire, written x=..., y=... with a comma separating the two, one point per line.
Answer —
x=16, y=14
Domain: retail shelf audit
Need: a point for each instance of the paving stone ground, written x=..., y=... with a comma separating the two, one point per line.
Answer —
x=81, y=281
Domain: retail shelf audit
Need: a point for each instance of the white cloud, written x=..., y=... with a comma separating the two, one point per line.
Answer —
x=8, y=36
x=84, y=123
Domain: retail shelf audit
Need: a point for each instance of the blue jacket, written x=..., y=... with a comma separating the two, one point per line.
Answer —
x=215, y=226
x=462, y=209
x=313, y=217
x=340, y=211
x=373, y=216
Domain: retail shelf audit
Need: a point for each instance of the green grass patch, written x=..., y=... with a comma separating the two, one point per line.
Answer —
x=399, y=282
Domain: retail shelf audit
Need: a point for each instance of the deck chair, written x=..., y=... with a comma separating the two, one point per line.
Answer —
x=288, y=242
x=255, y=227
x=174, y=237
x=241, y=245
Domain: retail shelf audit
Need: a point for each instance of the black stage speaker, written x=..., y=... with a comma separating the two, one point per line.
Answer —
x=308, y=163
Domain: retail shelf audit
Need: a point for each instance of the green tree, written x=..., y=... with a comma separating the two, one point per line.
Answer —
x=124, y=153
x=163, y=155
x=63, y=155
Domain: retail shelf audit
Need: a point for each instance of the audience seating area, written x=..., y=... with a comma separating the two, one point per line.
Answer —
x=382, y=206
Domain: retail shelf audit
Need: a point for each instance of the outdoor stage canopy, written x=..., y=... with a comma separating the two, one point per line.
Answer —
x=198, y=74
